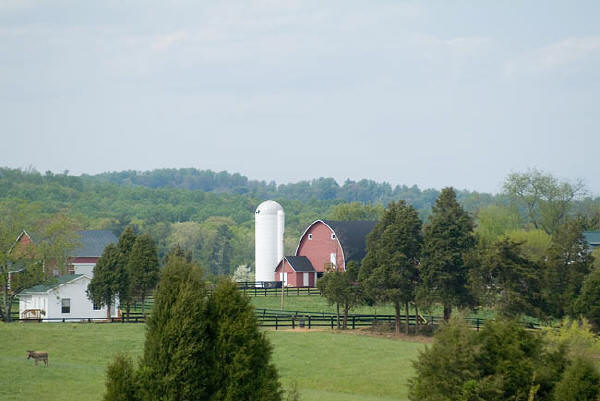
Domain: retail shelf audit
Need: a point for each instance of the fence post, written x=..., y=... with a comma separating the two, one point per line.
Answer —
x=353, y=326
x=331, y=322
x=276, y=323
x=477, y=323
x=293, y=322
x=309, y=321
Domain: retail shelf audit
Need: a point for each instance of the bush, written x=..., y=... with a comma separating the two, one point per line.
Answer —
x=504, y=361
x=121, y=383
x=580, y=382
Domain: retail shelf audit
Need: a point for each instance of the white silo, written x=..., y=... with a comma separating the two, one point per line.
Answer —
x=269, y=221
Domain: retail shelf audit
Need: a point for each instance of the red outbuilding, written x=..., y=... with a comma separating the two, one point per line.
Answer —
x=325, y=245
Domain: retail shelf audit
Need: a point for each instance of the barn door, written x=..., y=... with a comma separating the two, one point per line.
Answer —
x=284, y=279
x=305, y=279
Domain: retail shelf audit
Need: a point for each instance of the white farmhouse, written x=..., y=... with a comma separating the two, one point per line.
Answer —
x=65, y=299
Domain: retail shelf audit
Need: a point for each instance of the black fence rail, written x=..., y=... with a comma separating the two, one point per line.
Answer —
x=287, y=291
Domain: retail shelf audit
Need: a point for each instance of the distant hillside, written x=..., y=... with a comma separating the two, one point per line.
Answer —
x=320, y=189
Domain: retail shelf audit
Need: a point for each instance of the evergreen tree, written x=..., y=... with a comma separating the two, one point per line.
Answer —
x=200, y=346
x=179, y=357
x=568, y=262
x=507, y=280
x=143, y=268
x=389, y=270
x=121, y=381
x=125, y=245
x=243, y=370
x=105, y=284
x=448, y=238
x=579, y=382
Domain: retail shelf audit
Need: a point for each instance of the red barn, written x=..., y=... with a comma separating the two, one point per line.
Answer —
x=325, y=244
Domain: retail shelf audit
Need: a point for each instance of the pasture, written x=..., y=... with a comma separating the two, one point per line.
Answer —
x=326, y=365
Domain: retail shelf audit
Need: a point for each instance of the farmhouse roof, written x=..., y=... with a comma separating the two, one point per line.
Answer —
x=592, y=238
x=46, y=287
x=93, y=242
x=300, y=263
x=352, y=236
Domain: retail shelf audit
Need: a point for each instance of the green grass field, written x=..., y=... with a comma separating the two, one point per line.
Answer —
x=326, y=365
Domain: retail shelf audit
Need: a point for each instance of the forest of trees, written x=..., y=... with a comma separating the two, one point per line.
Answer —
x=211, y=214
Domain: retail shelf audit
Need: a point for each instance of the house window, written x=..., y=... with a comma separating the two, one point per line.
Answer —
x=71, y=269
x=332, y=236
x=96, y=306
x=310, y=236
x=65, y=305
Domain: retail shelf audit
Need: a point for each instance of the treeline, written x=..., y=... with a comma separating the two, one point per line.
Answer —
x=320, y=189
x=536, y=263
x=208, y=214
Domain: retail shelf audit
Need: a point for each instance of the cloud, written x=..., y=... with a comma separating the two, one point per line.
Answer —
x=165, y=41
x=561, y=56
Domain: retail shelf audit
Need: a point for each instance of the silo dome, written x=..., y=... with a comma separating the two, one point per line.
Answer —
x=269, y=222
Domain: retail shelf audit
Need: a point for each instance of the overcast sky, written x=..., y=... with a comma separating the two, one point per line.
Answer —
x=430, y=93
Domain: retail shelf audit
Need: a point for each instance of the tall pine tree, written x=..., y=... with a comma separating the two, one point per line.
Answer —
x=448, y=238
x=105, y=284
x=143, y=268
x=125, y=245
x=389, y=270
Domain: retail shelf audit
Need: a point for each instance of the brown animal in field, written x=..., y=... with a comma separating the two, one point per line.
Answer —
x=37, y=355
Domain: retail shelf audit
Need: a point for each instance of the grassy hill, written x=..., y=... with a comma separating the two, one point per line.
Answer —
x=326, y=365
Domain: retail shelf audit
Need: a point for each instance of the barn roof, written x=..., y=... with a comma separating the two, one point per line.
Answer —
x=352, y=236
x=93, y=242
x=45, y=287
x=300, y=263
x=592, y=238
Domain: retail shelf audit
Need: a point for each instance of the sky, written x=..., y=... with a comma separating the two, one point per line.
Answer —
x=433, y=93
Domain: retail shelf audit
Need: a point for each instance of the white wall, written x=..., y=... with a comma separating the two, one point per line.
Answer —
x=51, y=302
x=84, y=268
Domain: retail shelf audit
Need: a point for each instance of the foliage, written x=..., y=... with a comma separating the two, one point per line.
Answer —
x=356, y=211
x=568, y=263
x=204, y=346
x=502, y=362
x=495, y=221
x=125, y=245
x=121, y=383
x=544, y=200
x=448, y=238
x=243, y=273
x=579, y=382
x=588, y=302
x=389, y=270
x=106, y=282
x=143, y=267
x=575, y=335
x=342, y=288
x=534, y=243
x=243, y=368
x=25, y=265
x=506, y=279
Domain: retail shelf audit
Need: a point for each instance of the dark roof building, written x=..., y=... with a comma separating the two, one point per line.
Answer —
x=93, y=242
